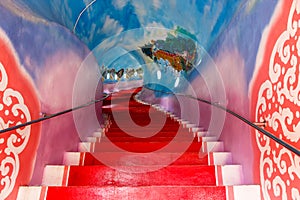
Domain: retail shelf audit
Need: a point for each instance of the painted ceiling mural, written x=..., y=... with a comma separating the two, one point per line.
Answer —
x=95, y=22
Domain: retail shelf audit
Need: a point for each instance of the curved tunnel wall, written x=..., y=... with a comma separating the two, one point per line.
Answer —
x=51, y=39
x=48, y=58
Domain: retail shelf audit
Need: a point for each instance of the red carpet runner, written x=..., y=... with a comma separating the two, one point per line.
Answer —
x=114, y=164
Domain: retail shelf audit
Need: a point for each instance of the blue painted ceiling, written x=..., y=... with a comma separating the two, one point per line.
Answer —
x=95, y=20
x=114, y=30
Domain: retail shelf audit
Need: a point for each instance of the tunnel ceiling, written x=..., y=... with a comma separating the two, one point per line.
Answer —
x=115, y=30
x=95, y=20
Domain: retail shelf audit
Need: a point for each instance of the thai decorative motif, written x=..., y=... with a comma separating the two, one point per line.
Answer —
x=14, y=112
x=278, y=104
x=18, y=104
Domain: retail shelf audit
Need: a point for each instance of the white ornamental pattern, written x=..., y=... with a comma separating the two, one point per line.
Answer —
x=13, y=112
x=278, y=103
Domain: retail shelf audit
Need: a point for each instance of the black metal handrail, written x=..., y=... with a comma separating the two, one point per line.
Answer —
x=217, y=105
x=49, y=116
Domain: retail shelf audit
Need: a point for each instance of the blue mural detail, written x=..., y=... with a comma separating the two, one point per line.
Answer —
x=216, y=25
x=205, y=19
x=245, y=31
x=108, y=21
x=34, y=49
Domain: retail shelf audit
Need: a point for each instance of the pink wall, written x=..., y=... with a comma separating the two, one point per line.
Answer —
x=64, y=83
x=41, y=61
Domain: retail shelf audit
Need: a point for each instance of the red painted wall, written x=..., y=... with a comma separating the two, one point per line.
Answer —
x=18, y=104
x=275, y=99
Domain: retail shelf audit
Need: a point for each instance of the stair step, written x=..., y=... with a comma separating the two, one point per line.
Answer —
x=243, y=192
x=143, y=147
x=135, y=139
x=134, y=176
x=128, y=176
x=212, y=146
x=124, y=193
x=150, y=134
x=167, y=121
x=116, y=158
x=150, y=139
x=147, y=133
x=165, y=130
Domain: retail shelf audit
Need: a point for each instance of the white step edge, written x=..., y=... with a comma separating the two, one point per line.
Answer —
x=176, y=118
x=235, y=192
x=195, y=129
x=93, y=139
x=86, y=147
x=200, y=133
x=204, y=139
x=207, y=146
x=32, y=193
x=214, y=158
x=74, y=158
x=208, y=139
x=55, y=175
x=219, y=158
x=98, y=133
x=212, y=147
x=161, y=109
x=191, y=125
x=99, y=129
x=243, y=192
x=169, y=113
x=172, y=116
x=229, y=175
x=184, y=123
x=155, y=105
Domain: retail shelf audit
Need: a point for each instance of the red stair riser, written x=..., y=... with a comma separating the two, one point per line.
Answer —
x=171, y=175
x=143, y=147
x=165, y=125
x=150, y=135
x=138, y=193
x=187, y=158
x=151, y=139
x=157, y=132
x=153, y=131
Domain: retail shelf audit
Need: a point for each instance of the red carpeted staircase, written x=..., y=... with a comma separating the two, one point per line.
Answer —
x=159, y=158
